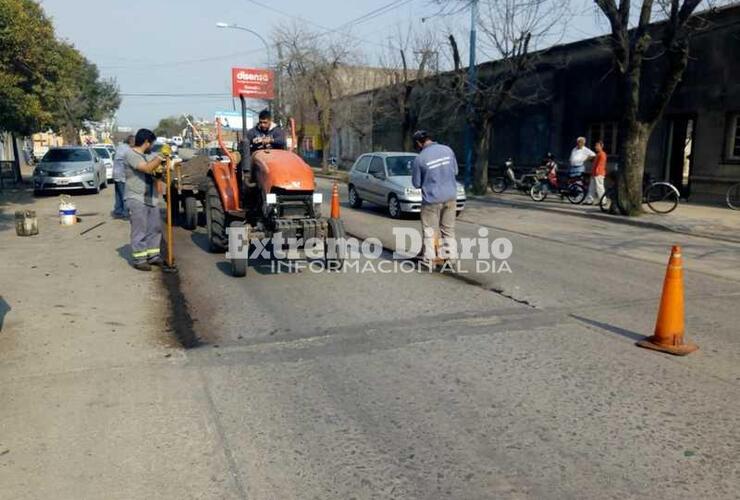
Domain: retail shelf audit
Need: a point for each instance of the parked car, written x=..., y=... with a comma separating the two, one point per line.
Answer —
x=67, y=168
x=177, y=140
x=385, y=179
x=110, y=147
x=214, y=153
x=106, y=157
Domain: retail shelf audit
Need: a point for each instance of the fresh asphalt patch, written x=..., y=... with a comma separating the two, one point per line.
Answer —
x=180, y=323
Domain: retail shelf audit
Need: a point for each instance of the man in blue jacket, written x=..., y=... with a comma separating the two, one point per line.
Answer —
x=434, y=172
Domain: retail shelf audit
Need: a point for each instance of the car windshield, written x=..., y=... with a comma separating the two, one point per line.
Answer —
x=103, y=152
x=399, y=165
x=215, y=152
x=67, y=155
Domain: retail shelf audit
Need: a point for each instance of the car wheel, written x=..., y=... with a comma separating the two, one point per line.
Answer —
x=394, y=207
x=354, y=198
x=96, y=189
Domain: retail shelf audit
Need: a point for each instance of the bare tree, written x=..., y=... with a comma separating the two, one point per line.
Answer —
x=414, y=62
x=310, y=66
x=667, y=48
x=512, y=32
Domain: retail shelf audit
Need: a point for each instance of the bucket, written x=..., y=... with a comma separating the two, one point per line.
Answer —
x=26, y=223
x=67, y=211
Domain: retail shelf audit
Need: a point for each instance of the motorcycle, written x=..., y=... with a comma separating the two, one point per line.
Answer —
x=548, y=181
x=502, y=183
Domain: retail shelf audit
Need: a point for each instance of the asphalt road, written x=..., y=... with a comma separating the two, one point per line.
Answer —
x=521, y=385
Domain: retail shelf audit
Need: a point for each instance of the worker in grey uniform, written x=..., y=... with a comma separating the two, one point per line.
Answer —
x=434, y=172
x=142, y=200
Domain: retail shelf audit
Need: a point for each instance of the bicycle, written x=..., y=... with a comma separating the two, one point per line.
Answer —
x=733, y=197
x=662, y=197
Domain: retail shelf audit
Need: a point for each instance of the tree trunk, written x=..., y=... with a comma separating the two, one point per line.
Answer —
x=632, y=167
x=16, y=160
x=71, y=135
x=482, y=152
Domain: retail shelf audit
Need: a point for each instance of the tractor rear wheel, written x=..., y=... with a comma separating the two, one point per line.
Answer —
x=215, y=220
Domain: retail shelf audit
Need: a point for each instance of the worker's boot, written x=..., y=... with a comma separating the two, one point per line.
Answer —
x=159, y=262
x=142, y=266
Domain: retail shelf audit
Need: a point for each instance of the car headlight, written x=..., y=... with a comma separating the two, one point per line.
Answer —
x=460, y=190
x=410, y=191
x=86, y=170
x=39, y=172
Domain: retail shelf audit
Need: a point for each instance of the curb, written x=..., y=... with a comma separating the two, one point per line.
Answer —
x=611, y=218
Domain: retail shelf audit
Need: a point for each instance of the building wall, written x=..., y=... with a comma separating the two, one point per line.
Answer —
x=578, y=96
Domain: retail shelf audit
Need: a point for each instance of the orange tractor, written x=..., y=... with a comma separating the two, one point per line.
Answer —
x=272, y=192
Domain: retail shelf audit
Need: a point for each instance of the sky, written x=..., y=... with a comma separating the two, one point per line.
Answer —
x=175, y=47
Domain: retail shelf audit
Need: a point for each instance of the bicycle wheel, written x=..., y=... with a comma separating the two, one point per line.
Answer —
x=576, y=193
x=499, y=184
x=733, y=197
x=662, y=197
x=605, y=203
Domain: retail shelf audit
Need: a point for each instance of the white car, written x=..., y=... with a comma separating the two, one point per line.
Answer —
x=177, y=140
x=105, y=155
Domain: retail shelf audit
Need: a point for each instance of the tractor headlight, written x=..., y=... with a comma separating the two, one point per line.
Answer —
x=271, y=199
x=318, y=198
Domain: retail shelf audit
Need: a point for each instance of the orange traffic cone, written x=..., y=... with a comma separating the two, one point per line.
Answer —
x=669, y=328
x=335, y=201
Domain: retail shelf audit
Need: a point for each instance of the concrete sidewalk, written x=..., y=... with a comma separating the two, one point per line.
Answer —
x=717, y=223
x=97, y=399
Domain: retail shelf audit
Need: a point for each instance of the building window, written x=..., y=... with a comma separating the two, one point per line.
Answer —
x=604, y=131
x=733, y=137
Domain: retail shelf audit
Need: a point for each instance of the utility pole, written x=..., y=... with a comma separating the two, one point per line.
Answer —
x=472, y=76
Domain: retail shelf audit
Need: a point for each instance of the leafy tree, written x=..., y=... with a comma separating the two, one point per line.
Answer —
x=171, y=125
x=27, y=73
x=81, y=95
x=44, y=82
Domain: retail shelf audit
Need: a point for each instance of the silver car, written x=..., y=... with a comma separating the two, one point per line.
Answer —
x=385, y=179
x=68, y=168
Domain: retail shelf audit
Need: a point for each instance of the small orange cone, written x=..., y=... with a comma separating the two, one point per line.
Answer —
x=669, y=328
x=335, y=201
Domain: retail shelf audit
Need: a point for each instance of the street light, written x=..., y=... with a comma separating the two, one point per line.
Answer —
x=235, y=26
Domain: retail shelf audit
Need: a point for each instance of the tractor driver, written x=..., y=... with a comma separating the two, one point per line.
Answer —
x=266, y=135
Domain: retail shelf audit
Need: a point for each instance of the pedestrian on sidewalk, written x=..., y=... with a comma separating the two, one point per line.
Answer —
x=578, y=157
x=142, y=199
x=119, y=178
x=598, y=173
x=434, y=172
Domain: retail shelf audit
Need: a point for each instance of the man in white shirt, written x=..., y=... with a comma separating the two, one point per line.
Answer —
x=578, y=156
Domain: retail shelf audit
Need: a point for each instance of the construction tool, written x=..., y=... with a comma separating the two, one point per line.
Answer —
x=166, y=152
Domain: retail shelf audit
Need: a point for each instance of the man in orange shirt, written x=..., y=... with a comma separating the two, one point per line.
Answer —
x=598, y=172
